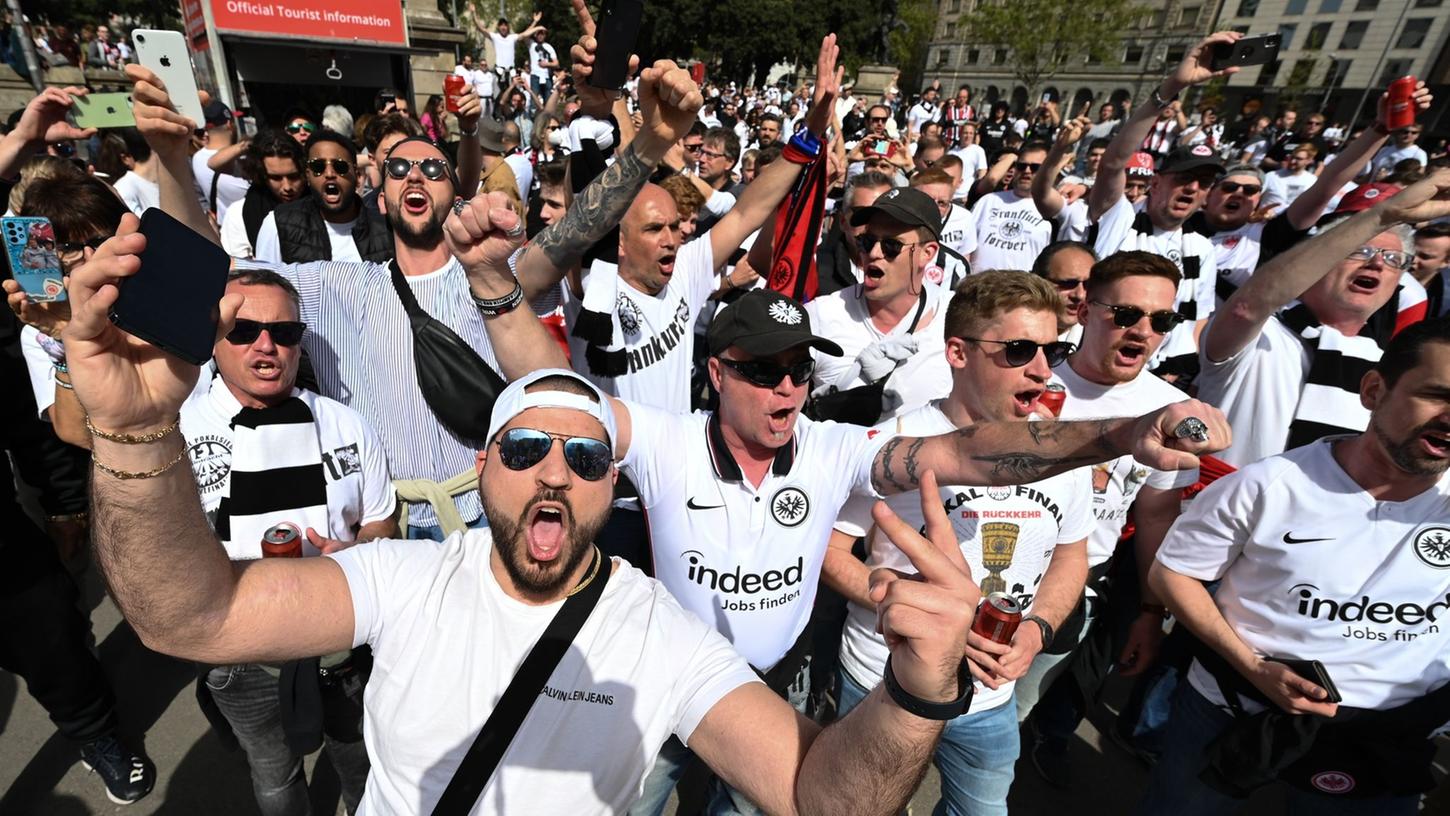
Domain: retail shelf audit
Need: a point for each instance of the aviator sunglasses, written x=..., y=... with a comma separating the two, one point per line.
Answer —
x=284, y=333
x=522, y=448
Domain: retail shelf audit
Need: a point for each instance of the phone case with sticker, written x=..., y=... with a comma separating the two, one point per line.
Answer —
x=34, y=263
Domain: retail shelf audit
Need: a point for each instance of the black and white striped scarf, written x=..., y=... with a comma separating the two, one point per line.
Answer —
x=1329, y=402
x=276, y=476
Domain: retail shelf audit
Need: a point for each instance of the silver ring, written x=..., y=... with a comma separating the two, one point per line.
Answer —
x=516, y=231
x=1192, y=428
x=459, y=205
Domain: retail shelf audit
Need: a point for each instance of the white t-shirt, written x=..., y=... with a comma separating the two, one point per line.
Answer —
x=356, y=469
x=339, y=236
x=447, y=640
x=40, y=369
x=1010, y=232
x=657, y=332
x=959, y=232
x=974, y=161
x=138, y=193
x=484, y=83
x=1313, y=568
x=1015, y=528
x=541, y=53
x=229, y=189
x=920, y=113
x=503, y=49
x=1073, y=223
x=1281, y=188
x=1117, y=232
x=234, y=234
x=523, y=173
x=1258, y=391
x=745, y=559
x=1388, y=156
x=1115, y=484
x=842, y=317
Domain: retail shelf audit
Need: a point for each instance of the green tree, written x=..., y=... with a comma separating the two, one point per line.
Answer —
x=1042, y=36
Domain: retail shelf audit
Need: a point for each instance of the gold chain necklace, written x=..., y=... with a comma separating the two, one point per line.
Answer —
x=593, y=571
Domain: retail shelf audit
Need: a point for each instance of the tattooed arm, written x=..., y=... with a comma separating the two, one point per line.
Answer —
x=998, y=453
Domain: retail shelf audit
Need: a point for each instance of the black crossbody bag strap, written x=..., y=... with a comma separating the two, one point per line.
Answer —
x=489, y=746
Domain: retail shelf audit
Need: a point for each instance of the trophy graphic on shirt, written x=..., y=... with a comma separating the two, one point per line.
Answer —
x=999, y=541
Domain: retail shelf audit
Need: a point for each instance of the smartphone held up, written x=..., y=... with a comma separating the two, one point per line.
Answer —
x=172, y=301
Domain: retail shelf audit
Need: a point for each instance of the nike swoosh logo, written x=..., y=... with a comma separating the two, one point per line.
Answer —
x=1290, y=539
x=691, y=504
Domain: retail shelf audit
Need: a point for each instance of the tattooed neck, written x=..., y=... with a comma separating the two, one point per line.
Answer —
x=596, y=211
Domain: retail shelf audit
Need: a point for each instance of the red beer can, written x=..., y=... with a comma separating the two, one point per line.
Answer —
x=282, y=541
x=998, y=617
x=452, y=89
x=1052, y=397
x=1401, y=107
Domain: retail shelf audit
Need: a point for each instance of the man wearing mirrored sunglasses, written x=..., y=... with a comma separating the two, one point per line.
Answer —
x=331, y=224
x=1126, y=312
x=1029, y=542
x=336, y=461
x=1289, y=376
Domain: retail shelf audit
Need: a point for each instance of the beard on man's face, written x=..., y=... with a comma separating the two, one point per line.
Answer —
x=527, y=574
x=425, y=235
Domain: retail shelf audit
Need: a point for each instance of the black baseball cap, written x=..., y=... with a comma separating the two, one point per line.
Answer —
x=908, y=205
x=216, y=114
x=1187, y=159
x=763, y=322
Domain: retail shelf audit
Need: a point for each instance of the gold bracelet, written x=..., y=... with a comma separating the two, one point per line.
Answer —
x=132, y=439
x=145, y=474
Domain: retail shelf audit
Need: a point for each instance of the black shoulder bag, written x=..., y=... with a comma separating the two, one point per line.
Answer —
x=459, y=387
x=488, y=747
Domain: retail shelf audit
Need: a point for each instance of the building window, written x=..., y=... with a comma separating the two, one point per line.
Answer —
x=1428, y=3
x=1366, y=5
x=1413, y=34
x=1335, y=74
x=999, y=57
x=1156, y=19
x=1286, y=35
x=951, y=30
x=1295, y=6
x=1394, y=69
x=973, y=55
x=1353, y=34
x=1242, y=29
x=943, y=57
x=1303, y=69
x=1248, y=8
x=1189, y=17
x=1329, y=6
x=1318, y=35
x=955, y=7
x=1175, y=55
x=1134, y=55
x=1268, y=72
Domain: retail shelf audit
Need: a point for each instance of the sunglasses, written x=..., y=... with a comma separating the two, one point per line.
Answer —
x=890, y=247
x=284, y=333
x=1068, y=283
x=1019, y=353
x=69, y=247
x=318, y=167
x=1128, y=316
x=1232, y=187
x=694, y=148
x=877, y=119
x=1392, y=258
x=298, y=127
x=1033, y=166
x=522, y=448
x=767, y=374
x=433, y=169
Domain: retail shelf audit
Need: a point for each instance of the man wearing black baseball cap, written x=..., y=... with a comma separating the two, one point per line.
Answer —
x=888, y=326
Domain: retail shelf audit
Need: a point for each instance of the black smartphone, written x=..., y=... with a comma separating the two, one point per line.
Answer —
x=1314, y=672
x=1260, y=50
x=616, y=32
x=171, y=302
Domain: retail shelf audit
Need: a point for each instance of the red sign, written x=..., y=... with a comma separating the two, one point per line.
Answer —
x=195, y=17
x=373, y=21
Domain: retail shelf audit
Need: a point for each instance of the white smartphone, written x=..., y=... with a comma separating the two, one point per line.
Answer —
x=166, y=54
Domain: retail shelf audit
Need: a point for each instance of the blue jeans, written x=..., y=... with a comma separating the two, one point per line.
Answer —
x=1175, y=789
x=247, y=697
x=435, y=533
x=1046, y=668
x=975, y=758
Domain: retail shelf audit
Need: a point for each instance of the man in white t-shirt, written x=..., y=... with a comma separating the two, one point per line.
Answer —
x=1336, y=553
x=1066, y=265
x=337, y=463
x=974, y=158
x=1029, y=541
x=1289, y=375
x=505, y=43
x=1283, y=187
x=220, y=129
x=1010, y=230
x=1404, y=147
x=543, y=62
x=1127, y=312
x=924, y=111
x=484, y=81
x=958, y=232
x=889, y=326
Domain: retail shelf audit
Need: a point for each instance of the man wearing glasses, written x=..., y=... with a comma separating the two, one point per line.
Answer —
x=331, y=224
x=1010, y=230
x=878, y=145
x=1289, y=376
x=1029, y=542
x=1125, y=316
x=1404, y=147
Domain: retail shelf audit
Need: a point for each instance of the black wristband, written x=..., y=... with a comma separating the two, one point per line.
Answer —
x=499, y=306
x=925, y=708
x=1047, y=630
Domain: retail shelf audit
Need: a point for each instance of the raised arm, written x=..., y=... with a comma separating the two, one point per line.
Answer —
x=470, y=153
x=1286, y=277
x=167, y=571
x=169, y=134
x=535, y=25
x=1004, y=453
x=1044, y=185
x=1193, y=70
x=221, y=161
x=42, y=122
x=1307, y=208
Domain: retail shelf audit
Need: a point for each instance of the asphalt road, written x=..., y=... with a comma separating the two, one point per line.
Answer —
x=40, y=774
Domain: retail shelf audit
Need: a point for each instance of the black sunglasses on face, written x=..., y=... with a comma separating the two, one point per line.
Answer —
x=767, y=374
x=890, y=247
x=433, y=169
x=1232, y=187
x=1125, y=317
x=695, y=148
x=69, y=247
x=877, y=119
x=1068, y=283
x=284, y=333
x=1019, y=353
x=298, y=127
x=1033, y=166
x=318, y=167
x=522, y=448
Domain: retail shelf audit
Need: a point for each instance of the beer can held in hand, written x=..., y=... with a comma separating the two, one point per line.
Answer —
x=282, y=541
x=452, y=89
x=998, y=617
x=1401, y=104
x=1052, y=397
